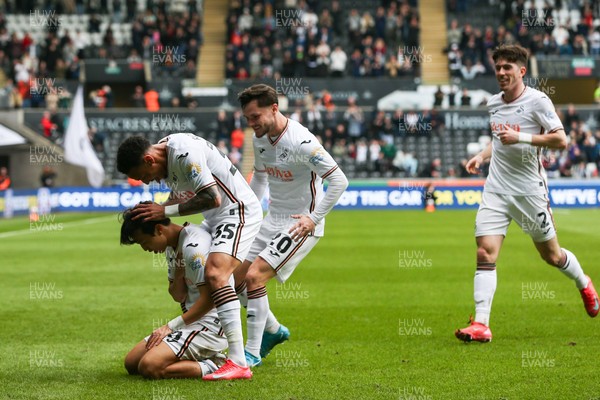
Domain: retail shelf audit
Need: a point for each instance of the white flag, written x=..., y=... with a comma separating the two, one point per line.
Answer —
x=78, y=147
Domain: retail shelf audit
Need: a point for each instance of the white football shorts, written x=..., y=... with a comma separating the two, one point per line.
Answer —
x=532, y=213
x=275, y=245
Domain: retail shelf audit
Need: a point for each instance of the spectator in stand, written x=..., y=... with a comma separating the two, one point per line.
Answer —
x=455, y=60
x=470, y=71
x=454, y=33
x=374, y=150
x=339, y=59
x=237, y=139
x=465, y=99
x=362, y=155
x=314, y=120
x=438, y=97
x=354, y=117
x=48, y=127
x=137, y=99
x=393, y=67
x=571, y=115
x=223, y=126
x=151, y=99
x=4, y=179
x=434, y=169
x=48, y=177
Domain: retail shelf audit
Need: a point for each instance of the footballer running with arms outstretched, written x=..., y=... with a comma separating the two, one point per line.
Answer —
x=293, y=164
x=196, y=349
x=523, y=121
x=202, y=180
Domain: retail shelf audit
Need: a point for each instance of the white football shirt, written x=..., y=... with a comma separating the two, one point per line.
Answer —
x=296, y=164
x=194, y=246
x=517, y=169
x=194, y=164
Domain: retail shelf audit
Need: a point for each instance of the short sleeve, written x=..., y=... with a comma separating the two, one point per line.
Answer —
x=194, y=169
x=317, y=158
x=545, y=115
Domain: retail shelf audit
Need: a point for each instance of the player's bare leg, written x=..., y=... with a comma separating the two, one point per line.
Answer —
x=240, y=282
x=218, y=269
x=132, y=359
x=488, y=248
x=161, y=363
x=259, y=273
x=568, y=264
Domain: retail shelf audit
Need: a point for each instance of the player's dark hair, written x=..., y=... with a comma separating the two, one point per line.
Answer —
x=130, y=226
x=512, y=53
x=131, y=153
x=264, y=94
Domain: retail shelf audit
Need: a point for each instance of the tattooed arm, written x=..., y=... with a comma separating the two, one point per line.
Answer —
x=206, y=199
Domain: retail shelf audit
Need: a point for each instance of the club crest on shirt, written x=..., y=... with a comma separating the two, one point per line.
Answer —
x=520, y=109
x=192, y=170
x=316, y=156
x=198, y=261
x=282, y=153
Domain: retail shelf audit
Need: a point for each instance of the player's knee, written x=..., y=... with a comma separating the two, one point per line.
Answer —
x=150, y=370
x=131, y=366
x=252, y=279
x=484, y=255
x=214, y=276
x=552, y=258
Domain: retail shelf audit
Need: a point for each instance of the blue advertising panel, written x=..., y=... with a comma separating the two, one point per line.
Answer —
x=380, y=196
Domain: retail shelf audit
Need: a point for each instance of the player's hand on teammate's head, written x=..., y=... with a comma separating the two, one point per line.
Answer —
x=149, y=211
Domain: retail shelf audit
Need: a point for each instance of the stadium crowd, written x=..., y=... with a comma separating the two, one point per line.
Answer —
x=318, y=40
x=30, y=68
x=562, y=28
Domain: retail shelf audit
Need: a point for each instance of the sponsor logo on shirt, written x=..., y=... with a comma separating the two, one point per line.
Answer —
x=284, y=175
x=496, y=127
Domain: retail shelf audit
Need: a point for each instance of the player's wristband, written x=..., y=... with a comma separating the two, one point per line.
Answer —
x=172, y=211
x=176, y=323
x=525, y=137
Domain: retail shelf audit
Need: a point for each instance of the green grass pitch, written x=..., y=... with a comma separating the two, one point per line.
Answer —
x=372, y=312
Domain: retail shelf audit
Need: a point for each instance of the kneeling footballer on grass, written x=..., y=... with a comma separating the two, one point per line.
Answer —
x=192, y=344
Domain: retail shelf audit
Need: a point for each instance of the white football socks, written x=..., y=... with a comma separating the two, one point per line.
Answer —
x=258, y=308
x=573, y=270
x=484, y=289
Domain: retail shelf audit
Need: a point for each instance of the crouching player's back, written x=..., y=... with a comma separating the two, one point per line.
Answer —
x=192, y=344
